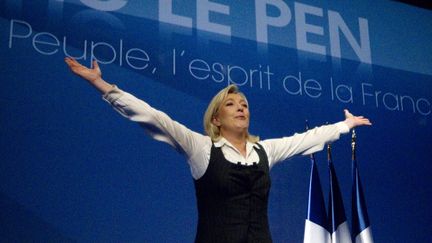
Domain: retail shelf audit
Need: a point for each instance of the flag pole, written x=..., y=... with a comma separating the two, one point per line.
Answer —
x=353, y=144
x=360, y=219
x=311, y=156
x=329, y=157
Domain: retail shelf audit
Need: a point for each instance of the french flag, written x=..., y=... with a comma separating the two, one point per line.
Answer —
x=360, y=220
x=337, y=220
x=316, y=230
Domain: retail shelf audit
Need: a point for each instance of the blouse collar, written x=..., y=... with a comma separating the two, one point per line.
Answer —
x=224, y=142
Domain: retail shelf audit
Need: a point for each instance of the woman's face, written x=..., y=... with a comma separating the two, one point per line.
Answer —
x=233, y=114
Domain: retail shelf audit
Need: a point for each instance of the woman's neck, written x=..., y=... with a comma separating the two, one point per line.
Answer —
x=238, y=140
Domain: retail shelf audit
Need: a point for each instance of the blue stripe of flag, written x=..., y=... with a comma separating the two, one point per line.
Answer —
x=316, y=207
x=336, y=207
x=360, y=220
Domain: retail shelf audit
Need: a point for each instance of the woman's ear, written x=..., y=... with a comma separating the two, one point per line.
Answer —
x=215, y=121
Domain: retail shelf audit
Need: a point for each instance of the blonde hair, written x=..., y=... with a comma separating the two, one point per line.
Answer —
x=212, y=110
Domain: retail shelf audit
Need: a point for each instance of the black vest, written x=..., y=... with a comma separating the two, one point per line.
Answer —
x=232, y=201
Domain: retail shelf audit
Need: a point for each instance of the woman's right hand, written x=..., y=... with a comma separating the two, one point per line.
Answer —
x=93, y=75
x=88, y=74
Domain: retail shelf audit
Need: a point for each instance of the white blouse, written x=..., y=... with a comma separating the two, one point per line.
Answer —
x=196, y=147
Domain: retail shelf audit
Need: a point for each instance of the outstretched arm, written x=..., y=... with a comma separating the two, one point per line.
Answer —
x=92, y=75
x=158, y=124
x=312, y=140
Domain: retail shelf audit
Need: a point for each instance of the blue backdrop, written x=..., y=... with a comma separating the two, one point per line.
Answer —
x=73, y=170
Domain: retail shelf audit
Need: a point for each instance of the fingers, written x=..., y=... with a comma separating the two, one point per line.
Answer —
x=362, y=121
x=366, y=121
x=68, y=60
x=95, y=64
x=347, y=113
x=72, y=63
x=354, y=121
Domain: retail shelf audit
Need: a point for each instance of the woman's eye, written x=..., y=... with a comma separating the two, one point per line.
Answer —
x=229, y=104
x=244, y=105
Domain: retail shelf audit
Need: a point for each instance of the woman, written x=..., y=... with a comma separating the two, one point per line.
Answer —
x=230, y=167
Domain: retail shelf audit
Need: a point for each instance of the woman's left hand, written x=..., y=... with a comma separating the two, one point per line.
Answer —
x=355, y=121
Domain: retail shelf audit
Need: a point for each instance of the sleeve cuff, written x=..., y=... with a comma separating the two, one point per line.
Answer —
x=343, y=127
